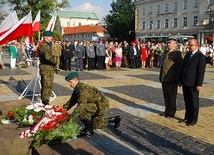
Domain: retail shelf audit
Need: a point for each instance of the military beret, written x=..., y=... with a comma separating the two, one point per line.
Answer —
x=71, y=76
x=170, y=39
x=48, y=33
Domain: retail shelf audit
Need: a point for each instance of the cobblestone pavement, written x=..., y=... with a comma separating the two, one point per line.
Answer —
x=136, y=96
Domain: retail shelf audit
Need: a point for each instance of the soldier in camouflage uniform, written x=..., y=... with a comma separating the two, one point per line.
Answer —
x=92, y=105
x=47, y=65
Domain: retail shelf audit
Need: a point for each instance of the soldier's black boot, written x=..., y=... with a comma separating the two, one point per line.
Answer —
x=88, y=130
x=0, y=112
x=45, y=102
x=116, y=120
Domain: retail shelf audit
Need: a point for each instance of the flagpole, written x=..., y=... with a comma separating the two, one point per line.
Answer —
x=39, y=36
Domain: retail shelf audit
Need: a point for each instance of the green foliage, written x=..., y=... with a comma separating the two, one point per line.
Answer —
x=61, y=133
x=21, y=115
x=121, y=19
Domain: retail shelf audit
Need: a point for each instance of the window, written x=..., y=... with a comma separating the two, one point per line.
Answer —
x=150, y=25
x=211, y=2
x=175, y=22
x=158, y=24
x=158, y=9
x=167, y=8
x=195, y=3
x=176, y=6
x=185, y=4
x=68, y=24
x=150, y=10
x=143, y=11
x=195, y=20
x=143, y=25
x=166, y=23
x=184, y=21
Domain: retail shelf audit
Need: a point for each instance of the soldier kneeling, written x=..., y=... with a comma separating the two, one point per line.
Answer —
x=92, y=105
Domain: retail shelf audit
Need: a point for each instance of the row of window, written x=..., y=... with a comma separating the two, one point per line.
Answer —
x=176, y=7
x=166, y=23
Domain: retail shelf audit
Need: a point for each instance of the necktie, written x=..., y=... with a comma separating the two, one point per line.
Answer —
x=191, y=55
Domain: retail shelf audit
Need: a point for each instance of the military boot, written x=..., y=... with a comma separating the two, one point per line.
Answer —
x=88, y=130
x=116, y=120
x=0, y=112
x=45, y=102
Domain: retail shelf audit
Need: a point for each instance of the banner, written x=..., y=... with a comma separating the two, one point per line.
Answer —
x=36, y=23
x=8, y=23
x=22, y=28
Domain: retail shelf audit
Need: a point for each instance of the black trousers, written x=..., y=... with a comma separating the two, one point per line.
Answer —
x=101, y=60
x=191, y=99
x=67, y=63
x=90, y=64
x=170, y=97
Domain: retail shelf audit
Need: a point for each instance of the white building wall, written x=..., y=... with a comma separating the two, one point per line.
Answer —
x=148, y=12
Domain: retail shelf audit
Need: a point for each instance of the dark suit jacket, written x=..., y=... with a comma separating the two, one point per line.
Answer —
x=192, y=72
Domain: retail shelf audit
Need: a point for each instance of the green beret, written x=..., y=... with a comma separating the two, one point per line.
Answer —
x=71, y=76
x=48, y=33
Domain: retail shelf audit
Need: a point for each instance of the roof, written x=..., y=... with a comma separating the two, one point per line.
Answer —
x=84, y=29
x=83, y=15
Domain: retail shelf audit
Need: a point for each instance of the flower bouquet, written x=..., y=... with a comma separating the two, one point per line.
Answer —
x=50, y=123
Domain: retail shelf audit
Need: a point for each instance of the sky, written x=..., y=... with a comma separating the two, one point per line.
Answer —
x=99, y=7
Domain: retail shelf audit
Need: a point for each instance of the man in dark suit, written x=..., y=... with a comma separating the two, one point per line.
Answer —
x=169, y=77
x=192, y=76
x=133, y=55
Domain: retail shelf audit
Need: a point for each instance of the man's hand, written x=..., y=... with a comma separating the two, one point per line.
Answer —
x=198, y=88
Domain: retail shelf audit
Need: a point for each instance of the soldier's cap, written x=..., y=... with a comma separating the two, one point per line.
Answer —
x=170, y=39
x=47, y=33
x=71, y=75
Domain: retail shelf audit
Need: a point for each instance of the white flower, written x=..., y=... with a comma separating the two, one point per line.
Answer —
x=30, y=119
x=4, y=121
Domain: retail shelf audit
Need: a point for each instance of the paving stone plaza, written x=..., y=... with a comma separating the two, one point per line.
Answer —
x=135, y=95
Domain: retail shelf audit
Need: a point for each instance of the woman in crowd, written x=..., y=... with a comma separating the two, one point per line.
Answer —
x=13, y=55
x=143, y=55
x=118, y=56
x=108, y=56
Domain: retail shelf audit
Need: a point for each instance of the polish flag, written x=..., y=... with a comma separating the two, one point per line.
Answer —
x=52, y=22
x=50, y=26
x=36, y=23
x=8, y=23
x=22, y=28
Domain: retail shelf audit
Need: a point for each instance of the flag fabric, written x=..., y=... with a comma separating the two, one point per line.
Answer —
x=22, y=28
x=50, y=27
x=52, y=22
x=36, y=23
x=8, y=23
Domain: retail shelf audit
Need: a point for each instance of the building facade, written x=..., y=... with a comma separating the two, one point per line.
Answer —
x=74, y=19
x=175, y=17
x=85, y=33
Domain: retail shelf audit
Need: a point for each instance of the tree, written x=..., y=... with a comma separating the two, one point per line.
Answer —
x=47, y=8
x=121, y=20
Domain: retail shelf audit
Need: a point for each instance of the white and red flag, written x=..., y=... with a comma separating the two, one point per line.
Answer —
x=8, y=23
x=50, y=26
x=36, y=23
x=22, y=28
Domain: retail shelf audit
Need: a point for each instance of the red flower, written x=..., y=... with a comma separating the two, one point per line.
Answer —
x=34, y=115
x=10, y=115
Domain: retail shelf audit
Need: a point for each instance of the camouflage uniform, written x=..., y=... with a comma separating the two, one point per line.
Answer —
x=47, y=64
x=90, y=102
x=57, y=52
